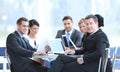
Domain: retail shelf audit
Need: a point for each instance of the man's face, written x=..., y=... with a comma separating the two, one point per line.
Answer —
x=68, y=24
x=23, y=27
x=91, y=25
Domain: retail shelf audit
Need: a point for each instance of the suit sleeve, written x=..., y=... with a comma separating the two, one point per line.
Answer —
x=101, y=44
x=58, y=34
x=14, y=46
x=81, y=51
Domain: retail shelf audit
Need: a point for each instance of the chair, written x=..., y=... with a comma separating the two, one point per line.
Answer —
x=115, y=56
x=3, y=61
x=103, y=61
x=7, y=57
x=8, y=60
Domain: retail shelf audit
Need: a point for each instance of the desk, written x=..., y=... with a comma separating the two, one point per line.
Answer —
x=50, y=57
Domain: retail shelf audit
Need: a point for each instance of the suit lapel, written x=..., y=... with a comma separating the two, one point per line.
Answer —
x=93, y=35
x=22, y=42
x=72, y=35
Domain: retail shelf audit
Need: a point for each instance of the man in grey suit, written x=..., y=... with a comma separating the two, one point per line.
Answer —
x=20, y=51
x=70, y=33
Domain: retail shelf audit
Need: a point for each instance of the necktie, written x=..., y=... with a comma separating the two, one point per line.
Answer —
x=24, y=42
x=68, y=37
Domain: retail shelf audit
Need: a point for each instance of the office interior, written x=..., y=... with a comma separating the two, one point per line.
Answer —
x=49, y=14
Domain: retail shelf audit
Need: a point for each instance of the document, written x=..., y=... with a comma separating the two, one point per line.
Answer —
x=56, y=45
x=42, y=45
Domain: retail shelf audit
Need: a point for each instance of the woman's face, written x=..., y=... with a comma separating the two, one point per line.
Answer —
x=34, y=29
x=83, y=28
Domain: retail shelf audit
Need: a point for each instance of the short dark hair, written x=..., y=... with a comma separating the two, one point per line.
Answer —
x=19, y=21
x=93, y=17
x=67, y=17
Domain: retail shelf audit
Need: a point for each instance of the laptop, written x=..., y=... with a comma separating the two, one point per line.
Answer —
x=57, y=46
x=64, y=40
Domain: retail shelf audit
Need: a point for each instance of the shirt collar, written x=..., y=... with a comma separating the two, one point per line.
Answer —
x=94, y=31
x=20, y=34
x=70, y=32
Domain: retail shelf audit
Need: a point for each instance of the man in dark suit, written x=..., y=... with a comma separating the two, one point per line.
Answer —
x=20, y=51
x=70, y=32
x=93, y=48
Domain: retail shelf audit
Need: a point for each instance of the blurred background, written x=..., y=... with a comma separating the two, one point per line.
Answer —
x=49, y=13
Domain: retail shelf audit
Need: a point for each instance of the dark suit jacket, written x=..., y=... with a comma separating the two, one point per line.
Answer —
x=19, y=53
x=75, y=37
x=94, y=47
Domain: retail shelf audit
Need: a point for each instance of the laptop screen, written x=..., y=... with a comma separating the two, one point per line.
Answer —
x=56, y=45
x=64, y=40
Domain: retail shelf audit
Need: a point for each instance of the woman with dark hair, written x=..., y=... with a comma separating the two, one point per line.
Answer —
x=35, y=41
x=100, y=20
x=32, y=37
x=32, y=33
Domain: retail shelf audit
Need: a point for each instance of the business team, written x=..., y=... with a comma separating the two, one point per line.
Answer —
x=94, y=45
x=93, y=48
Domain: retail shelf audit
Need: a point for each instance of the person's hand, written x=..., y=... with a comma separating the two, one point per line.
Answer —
x=47, y=48
x=67, y=48
x=80, y=60
x=69, y=51
x=39, y=53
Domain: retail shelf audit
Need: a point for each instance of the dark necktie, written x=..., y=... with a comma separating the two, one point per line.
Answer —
x=24, y=42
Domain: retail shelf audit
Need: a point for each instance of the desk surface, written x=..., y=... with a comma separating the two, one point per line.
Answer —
x=54, y=56
x=46, y=57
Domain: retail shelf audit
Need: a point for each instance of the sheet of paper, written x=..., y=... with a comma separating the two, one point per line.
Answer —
x=42, y=44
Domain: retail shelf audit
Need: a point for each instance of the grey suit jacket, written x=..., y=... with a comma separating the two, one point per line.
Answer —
x=75, y=37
